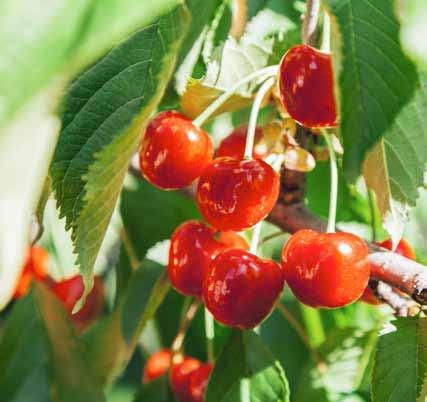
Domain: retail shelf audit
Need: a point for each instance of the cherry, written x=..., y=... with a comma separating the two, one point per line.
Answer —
x=306, y=86
x=326, y=269
x=193, y=247
x=403, y=248
x=174, y=152
x=199, y=379
x=234, y=145
x=235, y=194
x=180, y=378
x=35, y=268
x=232, y=240
x=240, y=289
x=157, y=365
x=69, y=292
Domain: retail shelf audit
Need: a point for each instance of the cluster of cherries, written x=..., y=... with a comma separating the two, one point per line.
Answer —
x=68, y=291
x=188, y=376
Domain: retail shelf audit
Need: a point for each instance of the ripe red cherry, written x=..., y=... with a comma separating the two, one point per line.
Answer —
x=403, y=248
x=35, y=268
x=157, y=365
x=234, y=145
x=69, y=292
x=193, y=247
x=232, y=240
x=240, y=289
x=199, y=379
x=174, y=152
x=236, y=194
x=326, y=269
x=306, y=86
x=180, y=378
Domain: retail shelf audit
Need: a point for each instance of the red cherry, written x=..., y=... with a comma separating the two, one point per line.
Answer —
x=232, y=240
x=369, y=297
x=157, y=365
x=306, y=86
x=69, y=292
x=192, y=249
x=326, y=269
x=174, y=152
x=199, y=379
x=240, y=289
x=236, y=194
x=180, y=378
x=403, y=248
x=234, y=145
x=35, y=268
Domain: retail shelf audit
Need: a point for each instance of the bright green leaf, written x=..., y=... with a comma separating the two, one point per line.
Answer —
x=246, y=359
x=376, y=79
x=400, y=368
x=104, y=114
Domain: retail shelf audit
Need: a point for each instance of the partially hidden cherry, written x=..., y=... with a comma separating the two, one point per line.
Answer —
x=69, y=292
x=234, y=145
x=241, y=289
x=199, y=379
x=157, y=365
x=180, y=378
x=235, y=194
x=174, y=152
x=35, y=268
x=193, y=246
x=403, y=248
x=306, y=86
x=326, y=269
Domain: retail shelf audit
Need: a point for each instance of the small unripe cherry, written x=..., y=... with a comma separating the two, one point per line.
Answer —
x=233, y=146
x=199, y=379
x=306, y=86
x=70, y=290
x=180, y=378
x=35, y=268
x=326, y=269
x=157, y=365
x=174, y=152
x=235, y=194
x=241, y=289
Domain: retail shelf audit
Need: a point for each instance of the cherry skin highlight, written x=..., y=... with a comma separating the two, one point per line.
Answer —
x=234, y=145
x=235, y=194
x=35, y=268
x=180, y=378
x=306, y=86
x=174, y=152
x=241, y=289
x=193, y=247
x=326, y=269
x=69, y=292
x=157, y=365
x=199, y=379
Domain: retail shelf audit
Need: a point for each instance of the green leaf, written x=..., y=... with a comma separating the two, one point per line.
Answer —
x=345, y=356
x=104, y=114
x=40, y=356
x=111, y=341
x=376, y=79
x=246, y=359
x=394, y=168
x=155, y=391
x=150, y=215
x=400, y=368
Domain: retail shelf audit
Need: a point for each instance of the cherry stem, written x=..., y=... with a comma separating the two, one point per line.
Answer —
x=180, y=336
x=130, y=251
x=264, y=73
x=372, y=209
x=271, y=237
x=210, y=335
x=250, y=136
x=326, y=34
x=333, y=195
x=245, y=390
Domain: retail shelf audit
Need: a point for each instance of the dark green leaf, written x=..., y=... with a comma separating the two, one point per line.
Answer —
x=400, y=368
x=376, y=78
x=155, y=391
x=245, y=358
x=40, y=356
